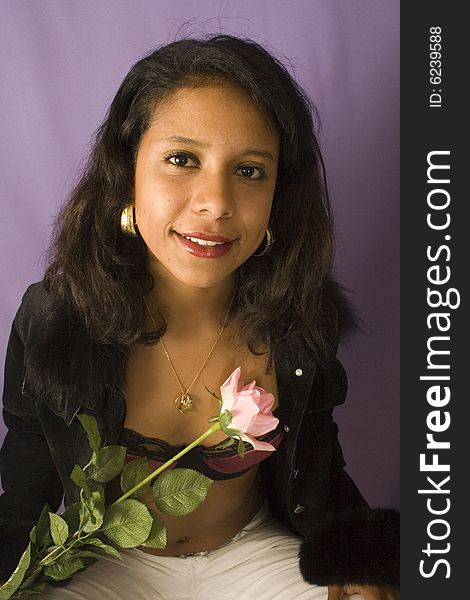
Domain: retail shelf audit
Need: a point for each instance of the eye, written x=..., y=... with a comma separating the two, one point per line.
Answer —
x=252, y=172
x=181, y=159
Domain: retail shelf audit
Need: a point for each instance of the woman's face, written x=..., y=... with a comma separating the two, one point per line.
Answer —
x=206, y=170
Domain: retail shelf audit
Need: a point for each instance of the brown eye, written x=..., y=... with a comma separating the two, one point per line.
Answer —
x=181, y=159
x=251, y=172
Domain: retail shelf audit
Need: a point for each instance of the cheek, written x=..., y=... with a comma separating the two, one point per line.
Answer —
x=155, y=206
x=255, y=222
x=153, y=222
x=257, y=213
x=159, y=200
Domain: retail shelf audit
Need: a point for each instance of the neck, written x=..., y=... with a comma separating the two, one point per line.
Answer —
x=186, y=307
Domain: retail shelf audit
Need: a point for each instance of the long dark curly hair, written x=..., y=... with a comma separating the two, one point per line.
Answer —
x=285, y=297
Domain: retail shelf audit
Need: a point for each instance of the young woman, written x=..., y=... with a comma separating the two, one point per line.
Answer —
x=198, y=240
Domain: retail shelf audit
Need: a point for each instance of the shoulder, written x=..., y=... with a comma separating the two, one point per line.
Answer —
x=59, y=354
x=330, y=384
x=54, y=344
x=336, y=302
x=37, y=305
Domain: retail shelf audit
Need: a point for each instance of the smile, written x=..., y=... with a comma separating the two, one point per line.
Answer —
x=205, y=245
x=202, y=242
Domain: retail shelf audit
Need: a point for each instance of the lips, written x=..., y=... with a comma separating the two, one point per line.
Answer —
x=205, y=245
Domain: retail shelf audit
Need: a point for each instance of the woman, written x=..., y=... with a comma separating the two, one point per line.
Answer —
x=199, y=239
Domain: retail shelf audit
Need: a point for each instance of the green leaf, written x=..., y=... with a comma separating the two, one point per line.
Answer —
x=231, y=432
x=180, y=491
x=90, y=425
x=87, y=562
x=34, y=545
x=92, y=510
x=225, y=419
x=71, y=516
x=241, y=448
x=9, y=587
x=59, y=529
x=108, y=463
x=84, y=554
x=43, y=528
x=157, y=535
x=127, y=524
x=37, y=587
x=225, y=444
x=30, y=578
x=133, y=473
x=32, y=535
x=96, y=499
x=106, y=547
x=79, y=478
x=63, y=569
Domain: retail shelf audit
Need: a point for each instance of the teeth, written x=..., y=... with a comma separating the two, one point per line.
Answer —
x=203, y=242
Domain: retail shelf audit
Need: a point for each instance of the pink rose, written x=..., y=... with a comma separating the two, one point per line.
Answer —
x=250, y=409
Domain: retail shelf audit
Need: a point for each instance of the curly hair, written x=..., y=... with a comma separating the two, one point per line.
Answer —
x=100, y=276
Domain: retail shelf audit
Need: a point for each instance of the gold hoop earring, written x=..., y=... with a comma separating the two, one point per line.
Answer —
x=128, y=224
x=269, y=243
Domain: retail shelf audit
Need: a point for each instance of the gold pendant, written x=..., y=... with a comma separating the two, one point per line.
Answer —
x=183, y=403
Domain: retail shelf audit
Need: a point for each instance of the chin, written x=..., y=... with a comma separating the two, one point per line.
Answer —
x=203, y=282
x=196, y=272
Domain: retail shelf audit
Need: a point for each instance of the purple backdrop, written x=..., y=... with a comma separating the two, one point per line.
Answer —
x=61, y=64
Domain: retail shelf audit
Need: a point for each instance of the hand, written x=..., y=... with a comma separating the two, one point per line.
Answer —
x=368, y=592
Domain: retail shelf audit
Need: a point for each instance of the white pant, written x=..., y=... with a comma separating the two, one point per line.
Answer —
x=260, y=563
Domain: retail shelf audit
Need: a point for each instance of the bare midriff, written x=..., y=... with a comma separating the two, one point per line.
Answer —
x=229, y=505
x=151, y=388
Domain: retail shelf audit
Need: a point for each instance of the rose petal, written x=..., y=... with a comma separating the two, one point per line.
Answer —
x=253, y=395
x=244, y=411
x=266, y=402
x=262, y=424
x=250, y=408
x=229, y=389
x=266, y=399
x=257, y=445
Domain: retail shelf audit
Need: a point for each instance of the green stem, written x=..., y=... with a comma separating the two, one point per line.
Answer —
x=215, y=427
x=60, y=551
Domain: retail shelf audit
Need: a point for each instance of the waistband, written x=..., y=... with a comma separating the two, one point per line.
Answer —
x=262, y=516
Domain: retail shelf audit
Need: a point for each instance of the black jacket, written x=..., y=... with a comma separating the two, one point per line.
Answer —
x=54, y=371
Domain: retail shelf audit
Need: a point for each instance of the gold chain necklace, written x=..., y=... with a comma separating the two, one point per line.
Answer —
x=183, y=402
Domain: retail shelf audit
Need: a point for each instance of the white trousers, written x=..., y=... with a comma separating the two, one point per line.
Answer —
x=259, y=563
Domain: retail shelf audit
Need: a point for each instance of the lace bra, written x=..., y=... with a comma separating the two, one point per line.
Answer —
x=215, y=463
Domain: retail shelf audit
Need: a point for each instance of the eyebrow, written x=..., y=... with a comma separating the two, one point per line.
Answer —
x=186, y=140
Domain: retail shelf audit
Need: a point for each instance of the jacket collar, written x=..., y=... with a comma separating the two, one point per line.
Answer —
x=66, y=369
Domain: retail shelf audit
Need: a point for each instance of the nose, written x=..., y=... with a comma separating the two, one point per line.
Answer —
x=214, y=195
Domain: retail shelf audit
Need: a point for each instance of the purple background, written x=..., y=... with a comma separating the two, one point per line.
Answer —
x=60, y=66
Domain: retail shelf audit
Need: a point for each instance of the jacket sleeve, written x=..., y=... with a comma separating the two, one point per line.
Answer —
x=352, y=543
x=28, y=475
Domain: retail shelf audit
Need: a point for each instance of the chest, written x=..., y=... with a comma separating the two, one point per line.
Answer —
x=152, y=388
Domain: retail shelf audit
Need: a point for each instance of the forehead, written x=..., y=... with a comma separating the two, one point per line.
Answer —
x=220, y=112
